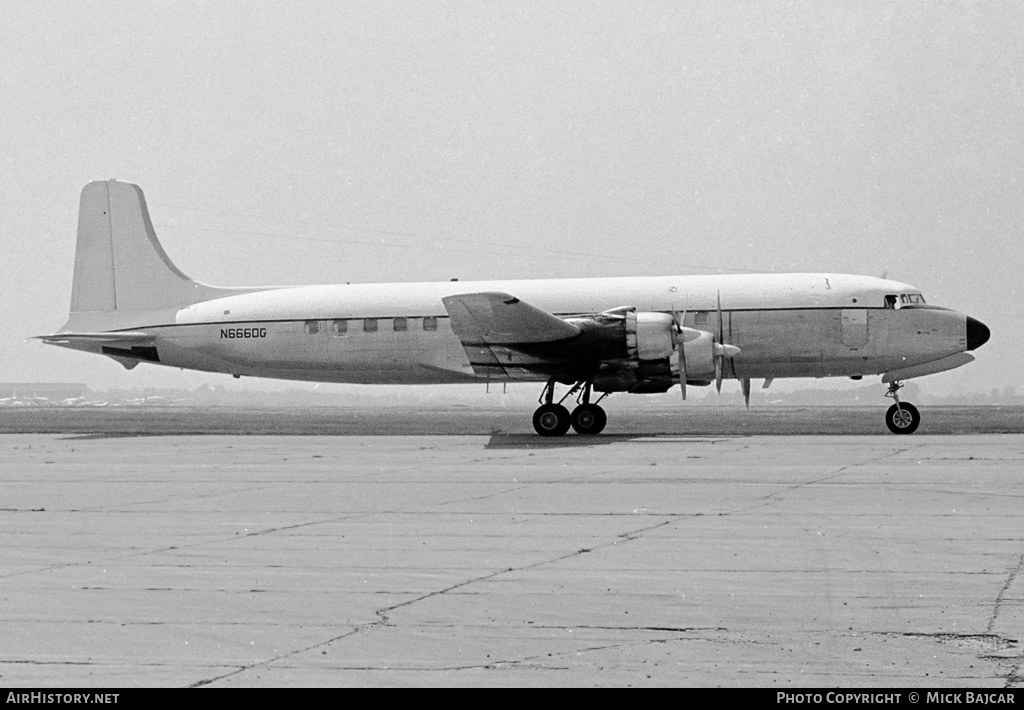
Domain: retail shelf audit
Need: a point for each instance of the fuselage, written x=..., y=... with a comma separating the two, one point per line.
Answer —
x=785, y=325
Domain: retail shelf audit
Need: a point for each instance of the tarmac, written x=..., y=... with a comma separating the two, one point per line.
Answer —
x=510, y=560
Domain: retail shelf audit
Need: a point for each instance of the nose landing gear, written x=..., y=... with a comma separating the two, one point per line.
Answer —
x=552, y=419
x=902, y=417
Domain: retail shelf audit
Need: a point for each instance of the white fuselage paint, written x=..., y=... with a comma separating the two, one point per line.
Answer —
x=786, y=325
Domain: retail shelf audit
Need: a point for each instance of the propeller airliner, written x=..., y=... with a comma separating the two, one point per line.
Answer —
x=596, y=336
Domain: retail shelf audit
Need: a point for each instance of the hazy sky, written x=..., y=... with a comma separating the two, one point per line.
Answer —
x=302, y=142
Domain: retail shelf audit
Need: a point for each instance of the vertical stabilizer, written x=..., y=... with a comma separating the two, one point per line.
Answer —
x=119, y=263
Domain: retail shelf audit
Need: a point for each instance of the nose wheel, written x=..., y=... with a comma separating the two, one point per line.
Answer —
x=902, y=417
x=553, y=419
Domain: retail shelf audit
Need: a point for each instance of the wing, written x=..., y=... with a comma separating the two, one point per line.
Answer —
x=505, y=336
x=502, y=319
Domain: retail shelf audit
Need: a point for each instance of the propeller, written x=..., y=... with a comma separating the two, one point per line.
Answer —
x=745, y=386
x=719, y=349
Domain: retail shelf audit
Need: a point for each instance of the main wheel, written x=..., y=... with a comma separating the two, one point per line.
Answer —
x=588, y=419
x=902, y=418
x=551, y=420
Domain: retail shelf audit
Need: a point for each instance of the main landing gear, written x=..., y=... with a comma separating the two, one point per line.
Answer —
x=553, y=419
x=902, y=417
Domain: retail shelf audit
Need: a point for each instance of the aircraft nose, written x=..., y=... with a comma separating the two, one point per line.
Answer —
x=977, y=333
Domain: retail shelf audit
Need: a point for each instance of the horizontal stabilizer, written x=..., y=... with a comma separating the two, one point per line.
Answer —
x=122, y=338
x=502, y=319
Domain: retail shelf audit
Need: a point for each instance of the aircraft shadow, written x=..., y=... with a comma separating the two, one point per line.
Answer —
x=532, y=441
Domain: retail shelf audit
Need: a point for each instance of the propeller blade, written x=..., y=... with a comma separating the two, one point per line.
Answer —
x=719, y=353
x=721, y=326
x=682, y=368
x=680, y=349
x=682, y=352
x=745, y=386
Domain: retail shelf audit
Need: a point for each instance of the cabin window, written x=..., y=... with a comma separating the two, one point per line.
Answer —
x=370, y=325
x=401, y=324
x=890, y=301
x=312, y=327
x=341, y=327
x=430, y=323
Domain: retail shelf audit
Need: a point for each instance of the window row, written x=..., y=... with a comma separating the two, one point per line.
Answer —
x=369, y=325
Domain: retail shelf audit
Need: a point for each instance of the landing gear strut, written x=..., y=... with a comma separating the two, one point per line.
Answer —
x=902, y=417
x=552, y=419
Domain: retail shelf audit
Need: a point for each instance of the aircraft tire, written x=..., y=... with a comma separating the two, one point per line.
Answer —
x=551, y=420
x=902, y=418
x=588, y=419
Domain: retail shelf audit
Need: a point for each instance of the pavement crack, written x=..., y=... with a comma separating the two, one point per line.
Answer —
x=991, y=642
x=626, y=536
x=1015, y=677
x=989, y=646
x=280, y=657
x=776, y=496
x=662, y=629
x=1002, y=593
x=383, y=615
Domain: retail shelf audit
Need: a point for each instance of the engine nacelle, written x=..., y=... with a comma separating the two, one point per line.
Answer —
x=652, y=337
x=652, y=340
x=649, y=336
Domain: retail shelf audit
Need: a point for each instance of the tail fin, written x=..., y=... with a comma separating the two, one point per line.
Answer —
x=119, y=263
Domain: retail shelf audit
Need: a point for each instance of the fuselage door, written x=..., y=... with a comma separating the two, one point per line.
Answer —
x=855, y=327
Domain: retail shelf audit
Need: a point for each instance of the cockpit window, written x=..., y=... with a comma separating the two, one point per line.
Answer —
x=904, y=300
